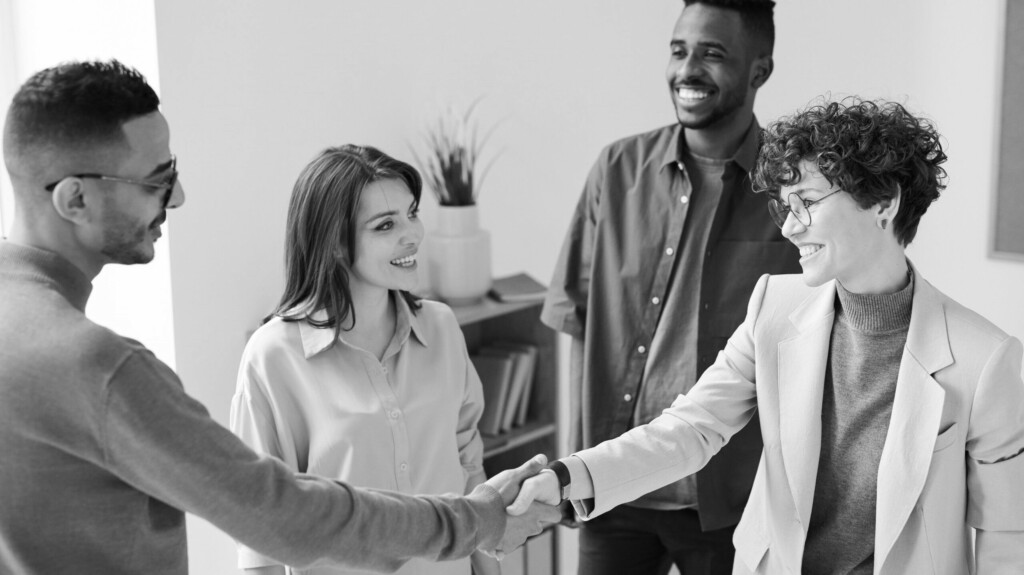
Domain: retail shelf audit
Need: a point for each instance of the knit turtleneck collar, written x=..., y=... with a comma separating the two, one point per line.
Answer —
x=876, y=313
x=49, y=267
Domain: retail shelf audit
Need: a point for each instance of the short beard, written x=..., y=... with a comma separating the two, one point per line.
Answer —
x=123, y=242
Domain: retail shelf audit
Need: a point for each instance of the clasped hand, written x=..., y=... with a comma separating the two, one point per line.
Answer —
x=527, y=513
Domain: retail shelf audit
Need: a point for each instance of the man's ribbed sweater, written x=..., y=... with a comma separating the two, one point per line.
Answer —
x=102, y=451
x=868, y=337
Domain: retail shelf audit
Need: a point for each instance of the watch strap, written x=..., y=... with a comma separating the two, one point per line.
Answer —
x=564, y=478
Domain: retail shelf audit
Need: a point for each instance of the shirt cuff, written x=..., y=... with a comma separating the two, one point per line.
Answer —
x=581, y=484
x=249, y=559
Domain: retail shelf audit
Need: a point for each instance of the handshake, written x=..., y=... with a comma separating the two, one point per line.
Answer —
x=531, y=496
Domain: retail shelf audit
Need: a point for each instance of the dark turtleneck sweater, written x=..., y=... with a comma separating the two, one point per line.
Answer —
x=868, y=338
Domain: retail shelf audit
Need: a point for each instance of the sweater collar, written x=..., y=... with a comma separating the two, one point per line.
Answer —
x=46, y=267
x=876, y=313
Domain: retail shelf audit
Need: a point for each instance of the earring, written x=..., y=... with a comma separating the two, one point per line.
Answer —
x=884, y=223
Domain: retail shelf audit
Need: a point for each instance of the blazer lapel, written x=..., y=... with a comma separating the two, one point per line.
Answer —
x=916, y=414
x=802, y=362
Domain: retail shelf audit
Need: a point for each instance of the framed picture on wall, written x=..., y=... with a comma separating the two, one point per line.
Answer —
x=1008, y=204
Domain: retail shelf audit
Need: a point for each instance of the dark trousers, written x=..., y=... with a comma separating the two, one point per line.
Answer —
x=634, y=541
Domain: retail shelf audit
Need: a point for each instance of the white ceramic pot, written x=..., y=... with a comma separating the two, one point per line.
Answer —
x=458, y=256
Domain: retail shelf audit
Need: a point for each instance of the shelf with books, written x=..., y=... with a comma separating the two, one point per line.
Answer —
x=530, y=431
x=504, y=338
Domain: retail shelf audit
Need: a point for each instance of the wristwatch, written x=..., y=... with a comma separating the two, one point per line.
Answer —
x=564, y=479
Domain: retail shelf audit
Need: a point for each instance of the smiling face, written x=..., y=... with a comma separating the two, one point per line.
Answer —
x=388, y=235
x=710, y=70
x=132, y=214
x=842, y=242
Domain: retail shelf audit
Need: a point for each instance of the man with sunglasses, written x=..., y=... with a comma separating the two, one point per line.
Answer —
x=102, y=450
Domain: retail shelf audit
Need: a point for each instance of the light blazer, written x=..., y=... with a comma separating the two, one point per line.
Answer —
x=949, y=461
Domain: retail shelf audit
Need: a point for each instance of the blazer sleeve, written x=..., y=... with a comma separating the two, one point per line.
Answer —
x=685, y=436
x=995, y=465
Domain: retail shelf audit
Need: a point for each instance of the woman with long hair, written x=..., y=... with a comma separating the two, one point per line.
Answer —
x=352, y=377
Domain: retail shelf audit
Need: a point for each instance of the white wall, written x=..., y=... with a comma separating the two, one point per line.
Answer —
x=253, y=89
x=134, y=301
x=942, y=58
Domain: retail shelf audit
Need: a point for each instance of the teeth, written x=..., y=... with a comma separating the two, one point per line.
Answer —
x=808, y=250
x=404, y=262
x=690, y=94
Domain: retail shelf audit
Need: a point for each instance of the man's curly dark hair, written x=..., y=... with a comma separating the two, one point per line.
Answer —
x=871, y=150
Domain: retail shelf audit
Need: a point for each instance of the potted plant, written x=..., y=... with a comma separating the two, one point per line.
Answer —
x=458, y=250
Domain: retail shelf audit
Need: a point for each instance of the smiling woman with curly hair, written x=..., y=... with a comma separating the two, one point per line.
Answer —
x=873, y=151
x=892, y=416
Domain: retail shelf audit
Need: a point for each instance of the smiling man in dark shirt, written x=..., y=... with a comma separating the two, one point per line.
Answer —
x=665, y=246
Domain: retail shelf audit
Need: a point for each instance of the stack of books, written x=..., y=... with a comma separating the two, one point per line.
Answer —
x=506, y=370
x=518, y=287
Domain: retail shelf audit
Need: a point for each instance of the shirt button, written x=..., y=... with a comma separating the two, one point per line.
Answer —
x=670, y=251
x=384, y=369
x=684, y=199
x=403, y=466
x=642, y=349
x=394, y=414
x=627, y=397
x=655, y=300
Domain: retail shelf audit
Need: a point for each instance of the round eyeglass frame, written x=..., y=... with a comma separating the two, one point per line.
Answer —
x=780, y=210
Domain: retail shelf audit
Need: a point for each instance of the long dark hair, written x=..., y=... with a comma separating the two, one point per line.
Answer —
x=321, y=231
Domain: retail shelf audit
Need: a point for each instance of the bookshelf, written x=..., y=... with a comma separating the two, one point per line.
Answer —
x=491, y=321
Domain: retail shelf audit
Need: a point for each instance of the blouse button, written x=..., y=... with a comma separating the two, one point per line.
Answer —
x=394, y=414
x=642, y=349
x=685, y=200
x=403, y=466
x=669, y=251
x=627, y=397
x=655, y=300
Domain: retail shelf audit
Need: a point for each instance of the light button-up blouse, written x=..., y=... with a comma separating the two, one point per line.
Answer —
x=407, y=423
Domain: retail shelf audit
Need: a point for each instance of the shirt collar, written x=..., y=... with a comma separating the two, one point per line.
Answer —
x=48, y=267
x=744, y=157
x=317, y=339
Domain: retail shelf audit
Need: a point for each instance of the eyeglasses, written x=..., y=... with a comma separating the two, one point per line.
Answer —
x=797, y=205
x=168, y=184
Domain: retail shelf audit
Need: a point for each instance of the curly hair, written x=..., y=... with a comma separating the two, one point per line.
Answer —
x=871, y=150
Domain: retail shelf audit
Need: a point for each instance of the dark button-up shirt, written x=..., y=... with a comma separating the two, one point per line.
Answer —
x=614, y=273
